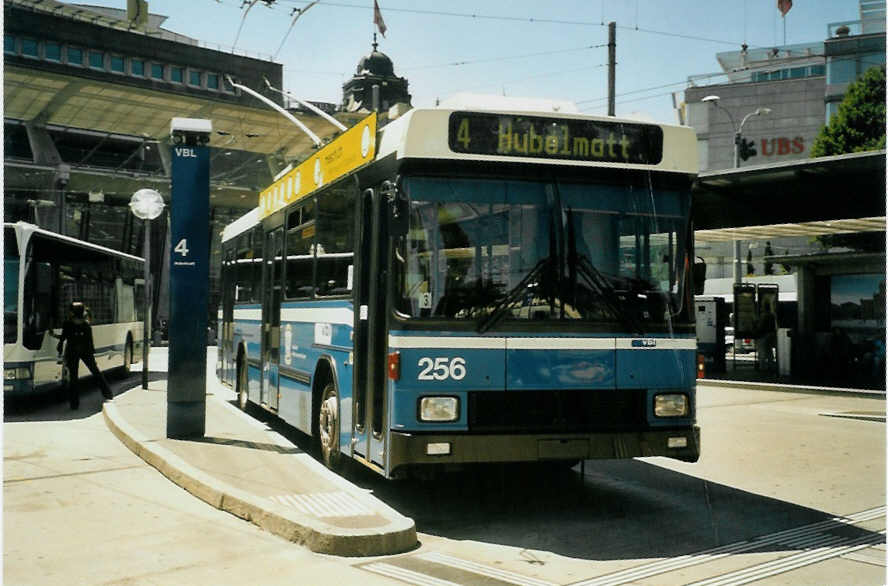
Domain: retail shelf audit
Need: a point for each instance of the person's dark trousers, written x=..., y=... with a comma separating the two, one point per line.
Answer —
x=73, y=364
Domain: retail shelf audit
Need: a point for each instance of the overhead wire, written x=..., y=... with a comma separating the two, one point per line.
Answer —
x=533, y=20
x=525, y=19
x=505, y=58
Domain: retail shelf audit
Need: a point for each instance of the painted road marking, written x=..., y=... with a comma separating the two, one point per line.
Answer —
x=476, y=568
x=406, y=575
x=827, y=549
x=324, y=504
x=804, y=536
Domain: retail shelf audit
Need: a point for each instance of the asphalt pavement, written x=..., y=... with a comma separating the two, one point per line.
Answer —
x=78, y=509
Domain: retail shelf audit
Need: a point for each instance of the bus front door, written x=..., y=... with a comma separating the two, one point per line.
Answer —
x=271, y=318
x=370, y=329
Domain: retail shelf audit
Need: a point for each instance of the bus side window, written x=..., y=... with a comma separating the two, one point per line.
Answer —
x=38, y=304
x=256, y=274
x=300, y=252
x=335, y=237
x=243, y=269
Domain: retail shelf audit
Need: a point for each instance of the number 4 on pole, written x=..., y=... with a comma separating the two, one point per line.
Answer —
x=182, y=247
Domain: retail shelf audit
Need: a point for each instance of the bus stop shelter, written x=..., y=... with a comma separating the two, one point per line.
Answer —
x=842, y=194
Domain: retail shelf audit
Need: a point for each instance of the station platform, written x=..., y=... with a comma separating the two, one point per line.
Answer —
x=247, y=469
x=743, y=371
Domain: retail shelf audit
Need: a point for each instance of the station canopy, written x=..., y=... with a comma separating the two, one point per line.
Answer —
x=63, y=102
x=809, y=197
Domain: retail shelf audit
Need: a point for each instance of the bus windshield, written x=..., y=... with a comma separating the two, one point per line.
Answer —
x=494, y=249
x=10, y=286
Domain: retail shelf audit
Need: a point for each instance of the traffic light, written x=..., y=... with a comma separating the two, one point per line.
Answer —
x=747, y=149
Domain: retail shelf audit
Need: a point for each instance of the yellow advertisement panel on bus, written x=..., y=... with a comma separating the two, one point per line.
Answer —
x=353, y=148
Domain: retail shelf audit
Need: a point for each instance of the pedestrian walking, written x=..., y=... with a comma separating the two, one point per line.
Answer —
x=766, y=337
x=77, y=332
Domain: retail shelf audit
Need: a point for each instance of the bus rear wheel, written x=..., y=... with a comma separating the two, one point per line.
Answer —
x=328, y=427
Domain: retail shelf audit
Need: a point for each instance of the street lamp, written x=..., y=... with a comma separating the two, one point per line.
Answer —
x=738, y=137
x=146, y=204
x=738, y=130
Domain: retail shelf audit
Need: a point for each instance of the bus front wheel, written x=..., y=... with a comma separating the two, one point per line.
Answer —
x=328, y=426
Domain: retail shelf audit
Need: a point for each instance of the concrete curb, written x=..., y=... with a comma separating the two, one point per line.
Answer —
x=399, y=536
x=708, y=382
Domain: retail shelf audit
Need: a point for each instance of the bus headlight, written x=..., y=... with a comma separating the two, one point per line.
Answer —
x=22, y=372
x=438, y=409
x=671, y=405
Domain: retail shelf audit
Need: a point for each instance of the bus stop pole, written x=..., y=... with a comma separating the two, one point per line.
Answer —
x=189, y=278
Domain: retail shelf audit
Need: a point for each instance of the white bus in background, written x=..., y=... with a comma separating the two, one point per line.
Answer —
x=43, y=273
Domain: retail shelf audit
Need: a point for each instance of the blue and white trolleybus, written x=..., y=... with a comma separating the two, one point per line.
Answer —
x=473, y=286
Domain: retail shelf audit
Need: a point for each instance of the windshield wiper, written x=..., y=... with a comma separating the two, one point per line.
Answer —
x=499, y=310
x=580, y=264
x=597, y=281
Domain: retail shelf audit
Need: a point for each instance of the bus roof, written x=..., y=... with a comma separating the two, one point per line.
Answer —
x=535, y=137
x=430, y=134
x=27, y=230
x=241, y=225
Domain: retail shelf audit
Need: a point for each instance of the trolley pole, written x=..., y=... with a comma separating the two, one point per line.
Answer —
x=189, y=278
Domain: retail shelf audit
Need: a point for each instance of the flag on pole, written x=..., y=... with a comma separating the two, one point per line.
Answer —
x=377, y=19
x=783, y=6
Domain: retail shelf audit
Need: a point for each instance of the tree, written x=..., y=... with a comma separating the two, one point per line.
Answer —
x=859, y=125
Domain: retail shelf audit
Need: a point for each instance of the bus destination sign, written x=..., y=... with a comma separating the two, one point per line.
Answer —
x=599, y=141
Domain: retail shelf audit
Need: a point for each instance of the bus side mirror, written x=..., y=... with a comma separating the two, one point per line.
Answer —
x=396, y=202
x=699, y=277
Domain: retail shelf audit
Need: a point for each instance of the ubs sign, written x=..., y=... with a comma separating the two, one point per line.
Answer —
x=782, y=146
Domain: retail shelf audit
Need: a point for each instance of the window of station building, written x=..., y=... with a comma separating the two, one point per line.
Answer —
x=227, y=87
x=832, y=108
x=118, y=64
x=29, y=48
x=300, y=251
x=842, y=70
x=8, y=44
x=156, y=71
x=52, y=51
x=194, y=78
x=98, y=150
x=74, y=56
x=96, y=60
x=177, y=74
x=15, y=142
x=213, y=81
x=137, y=67
x=106, y=226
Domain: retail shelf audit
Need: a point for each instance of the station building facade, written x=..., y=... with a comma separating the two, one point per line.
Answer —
x=89, y=94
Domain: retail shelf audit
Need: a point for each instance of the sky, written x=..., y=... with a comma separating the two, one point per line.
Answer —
x=554, y=49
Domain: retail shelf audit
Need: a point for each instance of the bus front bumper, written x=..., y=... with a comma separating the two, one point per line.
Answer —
x=408, y=448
